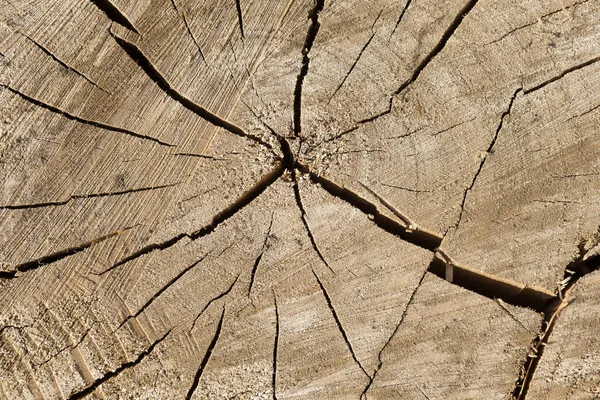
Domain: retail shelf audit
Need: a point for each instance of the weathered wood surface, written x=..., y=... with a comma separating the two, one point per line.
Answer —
x=265, y=199
x=569, y=366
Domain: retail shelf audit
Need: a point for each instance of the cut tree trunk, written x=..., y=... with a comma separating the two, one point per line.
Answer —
x=299, y=199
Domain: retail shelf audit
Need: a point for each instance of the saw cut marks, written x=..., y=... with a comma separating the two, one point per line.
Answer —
x=299, y=199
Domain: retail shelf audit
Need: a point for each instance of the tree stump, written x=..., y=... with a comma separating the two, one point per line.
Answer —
x=299, y=199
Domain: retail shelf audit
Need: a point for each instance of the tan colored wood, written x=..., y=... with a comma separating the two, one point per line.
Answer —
x=527, y=162
x=298, y=199
x=569, y=366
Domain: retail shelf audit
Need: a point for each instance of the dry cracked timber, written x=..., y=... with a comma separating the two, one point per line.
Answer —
x=299, y=199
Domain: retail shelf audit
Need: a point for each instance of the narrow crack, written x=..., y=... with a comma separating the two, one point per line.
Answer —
x=399, y=20
x=206, y=358
x=196, y=155
x=259, y=257
x=311, y=35
x=16, y=327
x=250, y=195
x=511, y=315
x=405, y=135
x=341, y=134
x=114, y=14
x=163, y=289
x=214, y=299
x=562, y=75
x=357, y=58
x=417, y=236
x=577, y=175
x=62, y=63
x=380, y=361
x=136, y=54
x=305, y=221
x=238, y=8
x=81, y=120
x=275, y=347
x=423, y=393
x=145, y=250
x=453, y=126
x=489, y=151
x=245, y=199
x=437, y=49
x=83, y=196
x=111, y=374
x=339, y=323
x=448, y=33
x=56, y=256
x=74, y=346
x=584, y=113
x=541, y=18
x=581, y=266
x=407, y=189
x=556, y=201
x=181, y=14
x=396, y=212
x=337, y=153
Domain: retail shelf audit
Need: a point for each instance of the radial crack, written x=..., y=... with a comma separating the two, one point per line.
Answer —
x=145, y=250
x=339, y=323
x=238, y=8
x=412, y=190
x=81, y=120
x=453, y=126
x=400, y=17
x=218, y=297
x=409, y=224
x=437, y=49
x=527, y=25
x=581, y=266
x=311, y=35
x=417, y=236
x=512, y=316
x=275, y=347
x=199, y=156
x=206, y=358
x=114, y=14
x=83, y=196
x=62, y=63
x=163, y=289
x=489, y=151
x=341, y=134
x=74, y=346
x=562, y=74
x=305, y=221
x=357, y=58
x=259, y=257
x=189, y=30
x=56, y=256
x=380, y=361
x=491, y=286
x=423, y=393
x=584, y=113
x=245, y=199
x=140, y=58
x=458, y=19
x=111, y=374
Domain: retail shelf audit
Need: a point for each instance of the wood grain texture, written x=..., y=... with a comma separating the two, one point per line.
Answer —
x=569, y=366
x=299, y=199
